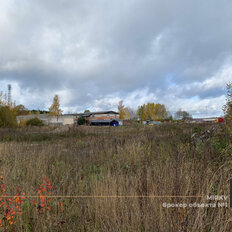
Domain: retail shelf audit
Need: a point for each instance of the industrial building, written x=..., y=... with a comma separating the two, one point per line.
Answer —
x=48, y=119
x=102, y=117
x=99, y=115
x=112, y=122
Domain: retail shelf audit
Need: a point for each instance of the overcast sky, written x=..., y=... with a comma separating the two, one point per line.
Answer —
x=96, y=53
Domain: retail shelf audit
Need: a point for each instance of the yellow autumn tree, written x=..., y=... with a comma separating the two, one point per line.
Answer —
x=141, y=113
x=55, y=107
x=152, y=111
x=20, y=110
x=160, y=112
x=2, y=101
x=227, y=108
x=121, y=110
x=124, y=112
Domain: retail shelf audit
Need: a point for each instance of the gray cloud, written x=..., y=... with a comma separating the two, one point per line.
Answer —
x=94, y=51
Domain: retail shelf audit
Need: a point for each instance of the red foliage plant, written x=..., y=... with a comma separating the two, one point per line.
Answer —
x=11, y=207
x=44, y=191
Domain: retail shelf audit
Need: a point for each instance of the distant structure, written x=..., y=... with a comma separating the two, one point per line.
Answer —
x=5, y=97
x=9, y=95
x=100, y=118
x=207, y=120
x=99, y=115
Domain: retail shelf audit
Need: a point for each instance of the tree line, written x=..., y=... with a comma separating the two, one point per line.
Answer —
x=150, y=111
x=9, y=111
x=158, y=112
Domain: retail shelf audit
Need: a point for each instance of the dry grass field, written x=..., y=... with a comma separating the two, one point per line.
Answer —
x=139, y=161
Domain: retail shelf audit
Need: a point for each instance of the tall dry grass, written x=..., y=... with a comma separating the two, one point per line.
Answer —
x=128, y=161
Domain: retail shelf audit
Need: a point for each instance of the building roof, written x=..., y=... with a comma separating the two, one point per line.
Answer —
x=87, y=114
x=104, y=121
x=204, y=119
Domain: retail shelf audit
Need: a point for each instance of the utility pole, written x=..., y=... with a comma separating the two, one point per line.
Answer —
x=9, y=95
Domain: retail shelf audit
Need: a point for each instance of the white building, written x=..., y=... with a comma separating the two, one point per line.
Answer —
x=48, y=119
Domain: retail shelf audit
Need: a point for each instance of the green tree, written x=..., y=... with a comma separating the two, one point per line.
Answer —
x=86, y=111
x=7, y=118
x=34, y=122
x=55, y=107
x=81, y=120
x=227, y=108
